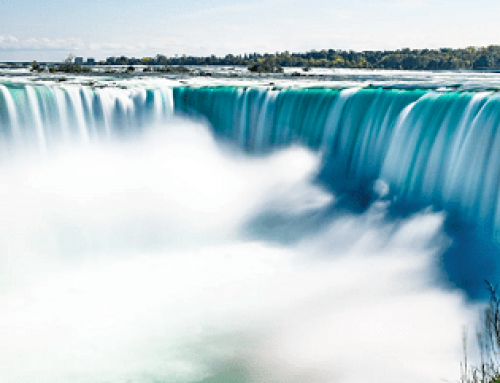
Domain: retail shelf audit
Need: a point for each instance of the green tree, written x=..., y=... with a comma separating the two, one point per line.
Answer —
x=35, y=66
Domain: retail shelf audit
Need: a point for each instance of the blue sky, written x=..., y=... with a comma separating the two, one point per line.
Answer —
x=50, y=30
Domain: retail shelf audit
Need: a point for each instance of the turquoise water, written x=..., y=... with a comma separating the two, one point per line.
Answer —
x=47, y=114
x=430, y=147
x=439, y=148
x=246, y=234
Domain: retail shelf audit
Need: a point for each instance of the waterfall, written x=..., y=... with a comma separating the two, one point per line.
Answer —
x=435, y=148
x=158, y=254
x=41, y=115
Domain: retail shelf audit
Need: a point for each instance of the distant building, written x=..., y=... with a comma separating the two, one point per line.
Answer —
x=90, y=61
x=78, y=60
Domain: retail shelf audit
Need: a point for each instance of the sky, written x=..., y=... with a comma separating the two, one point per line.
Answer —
x=50, y=30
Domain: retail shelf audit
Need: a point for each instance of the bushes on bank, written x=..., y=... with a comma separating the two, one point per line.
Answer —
x=488, y=340
x=268, y=65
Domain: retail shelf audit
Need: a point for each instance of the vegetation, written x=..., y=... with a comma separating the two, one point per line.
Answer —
x=470, y=58
x=265, y=65
x=174, y=69
x=35, y=66
x=488, y=339
x=167, y=69
x=68, y=66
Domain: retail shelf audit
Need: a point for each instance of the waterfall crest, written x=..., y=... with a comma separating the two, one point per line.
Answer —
x=439, y=148
x=430, y=147
x=41, y=115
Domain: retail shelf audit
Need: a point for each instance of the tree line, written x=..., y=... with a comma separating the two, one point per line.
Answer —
x=470, y=58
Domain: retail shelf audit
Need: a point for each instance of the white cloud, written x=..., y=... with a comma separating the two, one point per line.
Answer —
x=7, y=39
x=169, y=45
x=12, y=43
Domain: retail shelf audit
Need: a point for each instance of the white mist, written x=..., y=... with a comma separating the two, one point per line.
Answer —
x=133, y=262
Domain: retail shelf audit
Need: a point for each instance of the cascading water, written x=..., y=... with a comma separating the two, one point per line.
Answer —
x=424, y=144
x=42, y=115
x=432, y=148
x=171, y=256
